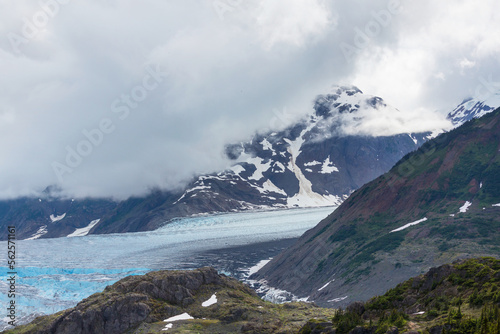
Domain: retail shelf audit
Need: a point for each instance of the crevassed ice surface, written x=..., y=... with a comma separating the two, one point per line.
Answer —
x=54, y=274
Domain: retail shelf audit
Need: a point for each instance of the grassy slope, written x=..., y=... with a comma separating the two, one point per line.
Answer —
x=460, y=298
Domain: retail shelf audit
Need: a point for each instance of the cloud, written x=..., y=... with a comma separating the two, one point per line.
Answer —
x=388, y=121
x=227, y=67
x=425, y=67
x=292, y=24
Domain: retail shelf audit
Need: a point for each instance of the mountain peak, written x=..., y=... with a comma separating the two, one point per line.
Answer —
x=473, y=107
x=344, y=99
x=349, y=90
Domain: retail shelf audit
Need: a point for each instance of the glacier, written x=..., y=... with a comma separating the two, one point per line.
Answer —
x=55, y=274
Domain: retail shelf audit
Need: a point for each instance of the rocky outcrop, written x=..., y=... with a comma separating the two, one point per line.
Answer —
x=140, y=304
x=133, y=300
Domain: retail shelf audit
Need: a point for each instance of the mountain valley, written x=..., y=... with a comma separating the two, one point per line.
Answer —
x=313, y=162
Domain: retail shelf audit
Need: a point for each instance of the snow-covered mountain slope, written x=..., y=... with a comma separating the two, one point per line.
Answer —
x=316, y=161
x=474, y=108
x=311, y=163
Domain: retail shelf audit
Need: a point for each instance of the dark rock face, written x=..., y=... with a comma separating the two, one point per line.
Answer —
x=176, y=288
x=434, y=276
x=119, y=316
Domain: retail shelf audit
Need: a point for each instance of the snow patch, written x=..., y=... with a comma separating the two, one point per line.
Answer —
x=41, y=231
x=278, y=167
x=413, y=138
x=266, y=145
x=269, y=186
x=465, y=207
x=434, y=134
x=81, y=232
x=167, y=327
x=324, y=286
x=312, y=163
x=237, y=169
x=409, y=224
x=418, y=313
x=212, y=300
x=257, y=267
x=183, y=316
x=328, y=167
x=274, y=295
x=336, y=300
x=57, y=218
x=260, y=166
x=201, y=188
x=498, y=204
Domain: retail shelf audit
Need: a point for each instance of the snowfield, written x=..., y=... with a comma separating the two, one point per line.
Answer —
x=212, y=300
x=57, y=218
x=183, y=316
x=81, y=232
x=465, y=207
x=257, y=267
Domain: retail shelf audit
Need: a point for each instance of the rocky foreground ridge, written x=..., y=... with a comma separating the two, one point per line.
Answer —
x=463, y=297
x=140, y=304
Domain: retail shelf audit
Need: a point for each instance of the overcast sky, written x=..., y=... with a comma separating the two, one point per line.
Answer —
x=157, y=87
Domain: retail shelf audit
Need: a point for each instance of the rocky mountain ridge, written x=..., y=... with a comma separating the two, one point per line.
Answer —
x=474, y=107
x=437, y=204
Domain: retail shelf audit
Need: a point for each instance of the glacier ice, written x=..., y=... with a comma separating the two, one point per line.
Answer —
x=55, y=274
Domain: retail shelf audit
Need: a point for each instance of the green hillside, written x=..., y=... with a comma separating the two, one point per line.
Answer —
x=436, y=205
x=460, y=298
